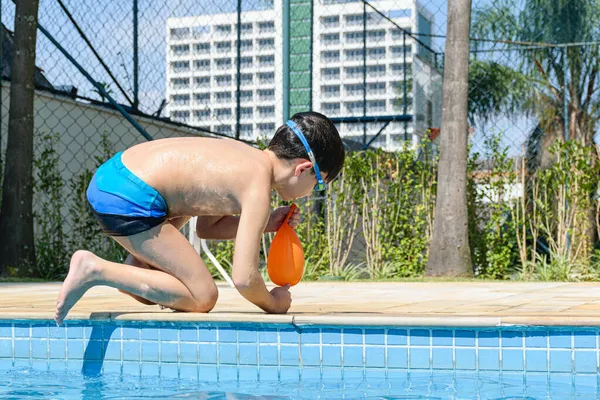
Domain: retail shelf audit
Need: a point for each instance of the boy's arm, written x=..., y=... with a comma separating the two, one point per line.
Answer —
x=217, y=228
x=245, y=273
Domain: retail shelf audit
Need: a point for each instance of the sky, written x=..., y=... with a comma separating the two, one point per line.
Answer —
x=109, y=26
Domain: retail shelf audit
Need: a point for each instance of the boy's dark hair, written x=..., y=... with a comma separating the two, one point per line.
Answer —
x=322, y=136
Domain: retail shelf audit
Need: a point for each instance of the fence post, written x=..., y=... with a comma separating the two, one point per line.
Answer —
x=404, y=82
x=136, y=100
x=364, y=72
x=238, y=72
x=566, y=133
x=286, y=60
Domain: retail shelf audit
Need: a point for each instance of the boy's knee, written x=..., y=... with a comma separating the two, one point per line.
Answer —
x=208, y=300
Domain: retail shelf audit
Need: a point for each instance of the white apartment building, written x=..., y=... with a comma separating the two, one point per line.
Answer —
x=201, y=70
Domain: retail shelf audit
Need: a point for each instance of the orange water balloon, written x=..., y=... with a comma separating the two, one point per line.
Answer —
x=285, y=262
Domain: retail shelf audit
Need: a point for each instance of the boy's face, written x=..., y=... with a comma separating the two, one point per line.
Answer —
x=302, y=184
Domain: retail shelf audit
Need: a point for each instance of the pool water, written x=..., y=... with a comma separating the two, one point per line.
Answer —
x=26, y=383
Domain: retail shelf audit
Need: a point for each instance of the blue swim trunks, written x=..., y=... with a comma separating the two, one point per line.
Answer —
x=122, y=202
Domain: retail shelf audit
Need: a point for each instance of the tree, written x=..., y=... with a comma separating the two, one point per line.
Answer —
x=16, y=215
x=449, y=252
x=536, y=78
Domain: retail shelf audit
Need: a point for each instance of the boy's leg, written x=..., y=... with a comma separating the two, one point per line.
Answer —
x=181, y=280
x=178, y=223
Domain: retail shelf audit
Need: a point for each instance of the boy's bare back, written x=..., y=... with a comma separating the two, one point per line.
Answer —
x=202, y=176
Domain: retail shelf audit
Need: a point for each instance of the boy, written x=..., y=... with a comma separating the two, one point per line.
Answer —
x=144, y=195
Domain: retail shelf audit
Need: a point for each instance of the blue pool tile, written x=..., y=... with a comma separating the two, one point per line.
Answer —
x=536, y=379
x=131, y=351
x=536, y=339
x=150, y=369
x=441, y=337
x=353, y=356
x=375, y=336
x=74, y=365
x=268, y=335
x=55, y=332
x=22, y=348
x=130, y=332
x=150, y=351
x=375, y=357
x=114, y=367
x=442, y=358
x=268, y=355
x=207, y=334
x=585, y=361
x=465, y=359
x=207, y=373
x=91, y=368
x=109, y=332
x=6, y=348
x=169, y=334
x=22, y=330
x=512, y=339
x=247, y=335
x=6, y=330
x=397, y=337
x=375, y=375
x=331, y=374
x=228, y=373
x=420, y=337
x=464, y=338
x=489, y=359
x=397, y=357
x=310, y=373
x=288, y=336
x=168, y=352
x=488, y=338
x=148, y=333
x=248, y=374
x=289, y=355
x=55, y=365
x=332, y=355
x=536, y=360
x=113, y=350
x=248, y=354
x=169, y=370
x=227, y=353
x=227, y=335
x=39, y=348
x=353, y=336
x=75, y=332
x=188, y=371
x=560, y=382
x=560, y=339
x=311, y=355
x=310, y=336
x=131, y=368
x=584, y=339
x=75, y=349
x=353, y=374
x=188, y=334
x=93, y=350
x=270, y=374
x=188, y=352
x=38, y=331
x=560, y=361
x=512, y=360
x=332, y=336
x=587, y=385
x=208, y=353
x=25, y=362
x=419, y=358
x=289, y=374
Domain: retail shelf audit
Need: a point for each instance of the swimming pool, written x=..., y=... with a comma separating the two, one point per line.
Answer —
x=207, y=360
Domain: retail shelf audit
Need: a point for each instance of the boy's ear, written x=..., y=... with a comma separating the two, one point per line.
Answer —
x=301, y=166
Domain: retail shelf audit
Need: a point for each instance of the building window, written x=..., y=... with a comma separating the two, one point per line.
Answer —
x=376, y=36
x=330, y=39
x=266, y=94
x=374, y=106
x=265, y=27
x=354, y=106
x=331, y=108
x=376, y=88
x=180, y=83
x=202, y=64
x=376, y=53
x=353, y=90
x=398, y=34
x=180, y=50
x=399, y=68
x=330, y=21
x=180, y=66
x=330, y=90
x=266, y=129
x=374, y=18
x=179, y=33
x=203, y=82
x=266, y=44
x=246, y=79
x=353, y=54
x=201, y=98
x=223, y=113
x=265, y=78
x=180, y=99
x=201, y=114
x=246, y=112
x=266, y=112
x=327, y=2
x=266, y=61
x=201, y=48
x=223, y=63
x=181, y=116
x=246, y=130
x=223, y=80
x=246, y=95
x=353, y=72
x=246, y=62
x=223, y=97
x=398, y=51
x=247, y=28
x=354, y=19
x=223, y=129
x=330, y=56
x=246, y=45
x=331, y=73
x=375, y=70
x=223, y=47
x=353, y=37
x=200, y=30
x=223, y=29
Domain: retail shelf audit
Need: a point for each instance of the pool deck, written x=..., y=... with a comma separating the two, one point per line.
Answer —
x=337, y=303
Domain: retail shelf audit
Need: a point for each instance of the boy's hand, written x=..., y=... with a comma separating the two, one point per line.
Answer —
x=282, y=299
x=278, y=216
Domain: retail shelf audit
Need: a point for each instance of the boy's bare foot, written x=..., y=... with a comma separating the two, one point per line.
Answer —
x=82, y=275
